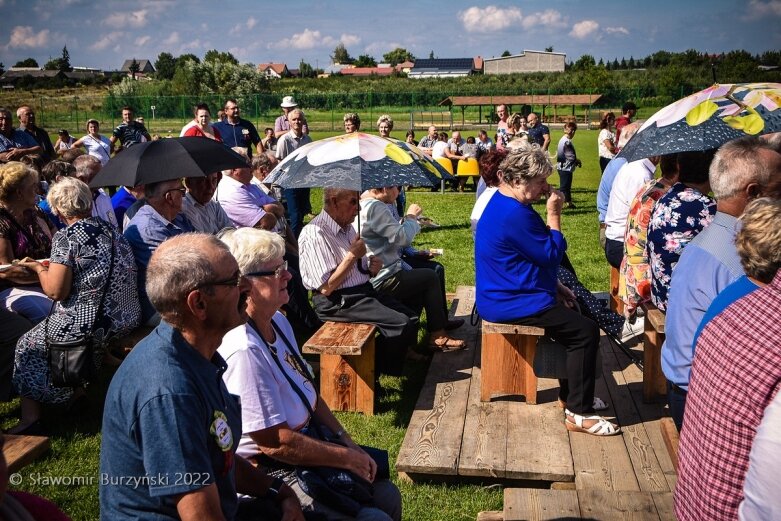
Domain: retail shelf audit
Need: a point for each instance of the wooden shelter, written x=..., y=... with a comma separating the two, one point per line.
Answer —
x=525, y=104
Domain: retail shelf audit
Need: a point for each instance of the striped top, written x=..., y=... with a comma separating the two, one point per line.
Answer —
x=322, y=245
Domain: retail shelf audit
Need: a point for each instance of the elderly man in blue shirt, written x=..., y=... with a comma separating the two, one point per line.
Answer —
x=14, y=143
x=741, y=171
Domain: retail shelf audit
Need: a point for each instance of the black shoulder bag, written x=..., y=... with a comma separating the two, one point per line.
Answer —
x=339, y=489
x=71, y=362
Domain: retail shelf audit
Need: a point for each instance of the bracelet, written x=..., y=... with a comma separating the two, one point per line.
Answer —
x=274, y=488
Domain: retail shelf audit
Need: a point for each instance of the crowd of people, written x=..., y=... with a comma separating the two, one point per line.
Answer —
x=220, y=268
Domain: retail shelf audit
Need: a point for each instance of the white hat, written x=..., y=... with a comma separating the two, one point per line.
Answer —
x=288, y=102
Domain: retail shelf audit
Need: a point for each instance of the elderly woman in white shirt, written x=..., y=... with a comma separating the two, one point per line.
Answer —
x=264, y=363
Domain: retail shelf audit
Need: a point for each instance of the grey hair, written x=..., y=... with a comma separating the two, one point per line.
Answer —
x=758, y=240
x=774, y=141
x=156, y=190
x=85, y=163
x=387, y=119
x=178, y=266
x=735, y=165
x=524, y=164
x=70, y=198
x=334, y=193
x=253, y=247
x=628, y=131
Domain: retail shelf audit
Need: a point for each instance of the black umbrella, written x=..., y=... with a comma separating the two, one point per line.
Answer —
x=166, y=159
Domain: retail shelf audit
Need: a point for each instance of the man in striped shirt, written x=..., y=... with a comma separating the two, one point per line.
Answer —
x=334, y=266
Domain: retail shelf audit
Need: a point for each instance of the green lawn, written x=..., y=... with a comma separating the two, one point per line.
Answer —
x=76, y=438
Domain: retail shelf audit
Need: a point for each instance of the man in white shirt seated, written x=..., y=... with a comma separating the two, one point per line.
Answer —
x=205, y=214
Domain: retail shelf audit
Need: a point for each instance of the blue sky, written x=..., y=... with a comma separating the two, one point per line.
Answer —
x=104, y=33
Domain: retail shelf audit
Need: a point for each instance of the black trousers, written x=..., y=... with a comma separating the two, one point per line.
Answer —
x=614, y=252
x=415, y=287
x=580, y=336
x=398, y=325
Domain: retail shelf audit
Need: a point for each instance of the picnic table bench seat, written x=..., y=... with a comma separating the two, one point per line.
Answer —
x=20, y=451
x=654, y=382
x=346, y=365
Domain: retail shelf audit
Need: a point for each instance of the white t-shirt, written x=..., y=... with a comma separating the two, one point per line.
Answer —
x=480, y=205
x=603, y=135
x=265, y=393
x=438, y=150
x=629, y=180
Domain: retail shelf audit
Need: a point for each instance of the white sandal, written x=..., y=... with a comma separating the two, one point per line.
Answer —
x=601, y=428
x=599, y=404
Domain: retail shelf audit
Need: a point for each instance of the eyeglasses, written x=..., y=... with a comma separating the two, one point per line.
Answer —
x=277, y=272
x=234, y=281
x=180, y=190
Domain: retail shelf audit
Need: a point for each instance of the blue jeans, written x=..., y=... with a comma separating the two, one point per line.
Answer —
x=297, y=206
x=676, y=399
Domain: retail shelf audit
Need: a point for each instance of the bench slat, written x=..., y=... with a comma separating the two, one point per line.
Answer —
x=530, y=504
x=20, y=451
x=338, y=338
x=511, y=329
x=540, y=505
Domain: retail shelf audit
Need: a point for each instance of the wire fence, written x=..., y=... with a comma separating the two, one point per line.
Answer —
x=324, y=111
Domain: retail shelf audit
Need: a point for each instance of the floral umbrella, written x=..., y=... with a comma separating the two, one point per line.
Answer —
x=708, y=119
x=358, y=162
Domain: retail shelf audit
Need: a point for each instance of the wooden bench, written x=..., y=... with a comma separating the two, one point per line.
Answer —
x=670, y=437
x=616, y=304
x=346, y=365
x=19, y=451
x=506, y=362
x=654, y=382
x=532, y=504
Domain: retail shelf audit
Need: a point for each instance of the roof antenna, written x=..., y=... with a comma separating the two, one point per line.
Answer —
x=713, y=71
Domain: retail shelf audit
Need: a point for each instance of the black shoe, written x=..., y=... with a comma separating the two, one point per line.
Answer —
x=454, y=323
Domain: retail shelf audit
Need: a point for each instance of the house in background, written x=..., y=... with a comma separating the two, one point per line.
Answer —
x=144, y=68
x=527, y=61
x=274, y=71
x=443, y=68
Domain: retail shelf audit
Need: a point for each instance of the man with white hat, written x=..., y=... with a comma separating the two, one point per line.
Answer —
x=281, y=125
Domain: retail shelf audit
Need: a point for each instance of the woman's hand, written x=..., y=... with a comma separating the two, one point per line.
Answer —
x=32, y=265
x=414, y=211
x=555, y=202
x=565, y=296
x=19, y=274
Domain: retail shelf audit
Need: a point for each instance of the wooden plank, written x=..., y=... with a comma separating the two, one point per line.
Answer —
x=531, y=504
x=670, y=437
x=490, y=515
x=484, y=445
x=650, y=476
x=655, y=317
x=432, y=443
x=651, y=413
x=506, y=361
x=511, y=329
x=617, y=505
x=665, y=506
x=337, y=338
x=19, y=451
x=538, y=443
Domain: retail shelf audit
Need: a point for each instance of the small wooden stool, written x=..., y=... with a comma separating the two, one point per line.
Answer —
x=346, y=365
x=506, y=360
x=19, y=451
x=670, y=437
x=616, y=304
x=654, y=382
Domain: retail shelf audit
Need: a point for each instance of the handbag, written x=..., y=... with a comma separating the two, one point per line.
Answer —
x=71, y=362
x=337, y=488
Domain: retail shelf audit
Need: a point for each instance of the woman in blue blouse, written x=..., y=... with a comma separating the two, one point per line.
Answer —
x=516, y=260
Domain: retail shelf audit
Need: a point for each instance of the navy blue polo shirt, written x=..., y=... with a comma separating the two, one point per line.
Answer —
x=169, y=427
x=537, y=132
x=243, y=134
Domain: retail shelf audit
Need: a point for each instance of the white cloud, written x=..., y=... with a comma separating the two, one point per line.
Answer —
x=172, y=40
x=349, y=39
x=241, y=28
x=107, y=40
x=550, y=18
x=489, y=19
x=617, y=30
x=310, y=39
x=142, y=40
x=251, y=22
x=584, y=29
x=133, y=19
x=23, y=36
x=758, y=9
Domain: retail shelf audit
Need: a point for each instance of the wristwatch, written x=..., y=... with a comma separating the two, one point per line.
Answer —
x=274, y=488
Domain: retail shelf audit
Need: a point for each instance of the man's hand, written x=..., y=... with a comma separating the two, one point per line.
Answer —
x=276, y=209
x=375, y=265
x=291, y=509
x=361, y=464
x=358, y=248
x=414, y=211
x=267, y=222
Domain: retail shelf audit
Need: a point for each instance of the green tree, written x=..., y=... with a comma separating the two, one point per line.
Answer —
x=341, y=55
x=187, y=57
x=65, y=60
x=506, y=53
x=631, y=63
x=364, y=60
x=615, y=64
x=214, y=56
x=431, y=55
x=397, y=56
x=549, y=49
x=584, y=62
x=27, y=62
x=601, y=63
x=306, y=70
x=165, y=65
x=52, y=65
x=134, y=68
x=2, y=68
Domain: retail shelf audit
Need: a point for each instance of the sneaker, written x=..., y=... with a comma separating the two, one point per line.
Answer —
x=631, y=330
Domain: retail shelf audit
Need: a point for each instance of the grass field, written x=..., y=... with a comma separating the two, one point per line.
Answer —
x=76, y=438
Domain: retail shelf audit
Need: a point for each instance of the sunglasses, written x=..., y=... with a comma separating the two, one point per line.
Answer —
x=277, y=273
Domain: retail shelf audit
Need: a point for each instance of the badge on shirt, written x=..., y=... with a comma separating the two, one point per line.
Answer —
x=224, y=437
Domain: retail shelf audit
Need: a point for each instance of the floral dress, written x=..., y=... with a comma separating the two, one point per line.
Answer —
x=677, y=218
x=86, y=247
x=634, y=283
